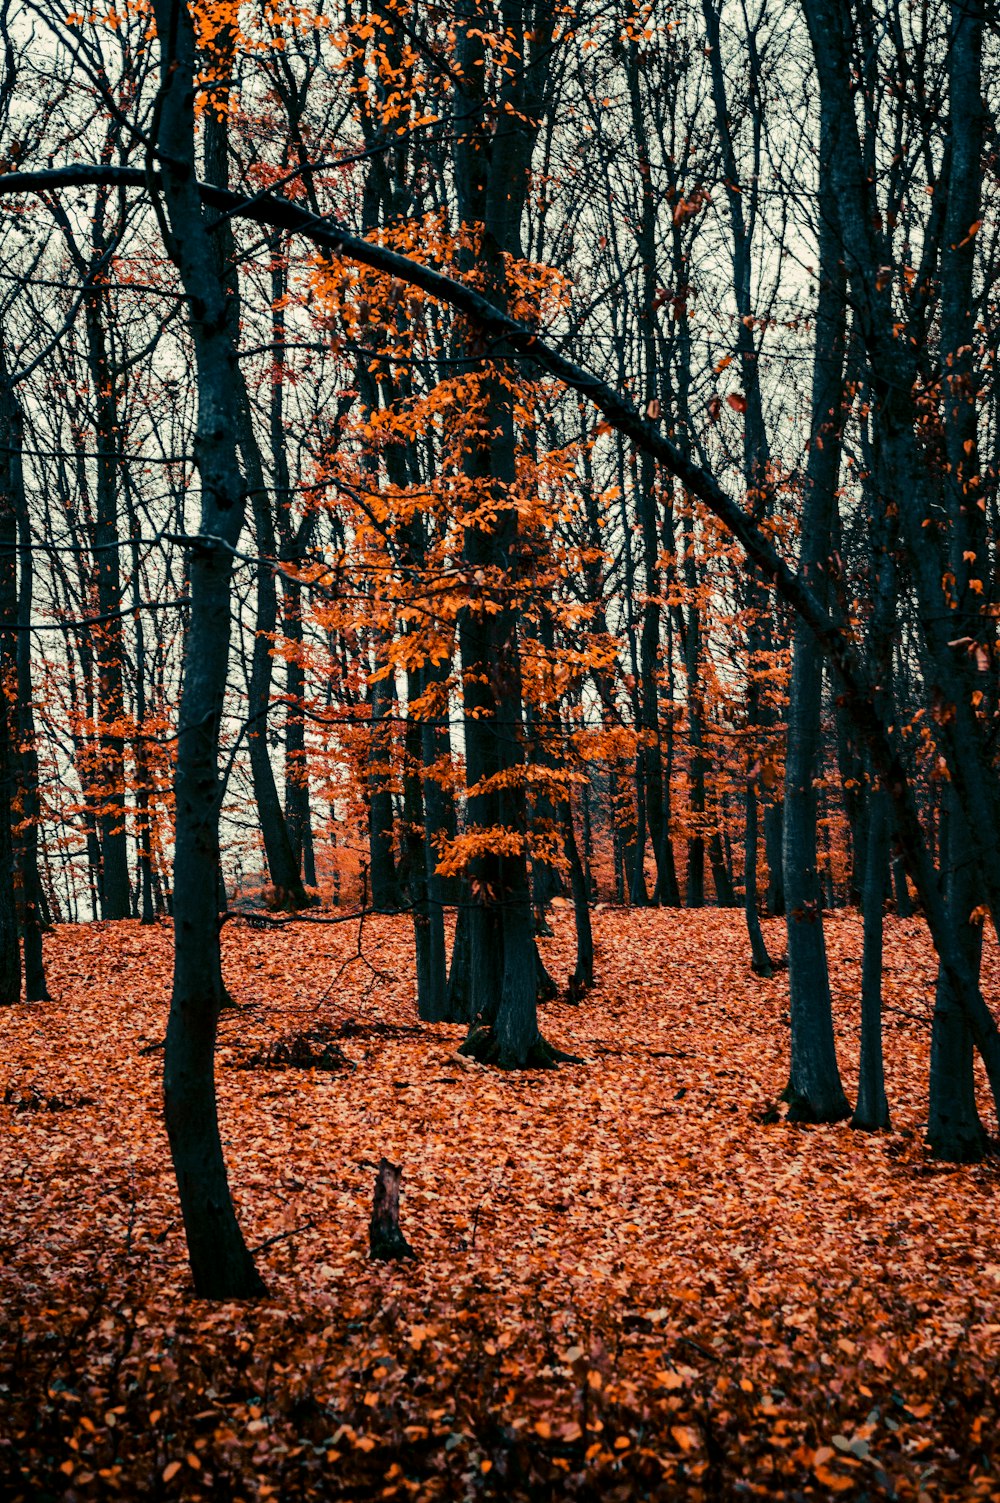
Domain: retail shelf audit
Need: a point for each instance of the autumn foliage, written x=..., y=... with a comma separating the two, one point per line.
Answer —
x=633, y=1280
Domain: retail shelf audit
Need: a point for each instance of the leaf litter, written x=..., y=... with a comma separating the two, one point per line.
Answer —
x=634, y=1280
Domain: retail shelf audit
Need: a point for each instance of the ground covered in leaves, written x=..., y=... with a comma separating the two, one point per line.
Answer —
x=632, y=1283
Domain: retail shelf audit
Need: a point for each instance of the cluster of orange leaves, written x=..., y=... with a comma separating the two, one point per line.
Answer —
x=629, y=1284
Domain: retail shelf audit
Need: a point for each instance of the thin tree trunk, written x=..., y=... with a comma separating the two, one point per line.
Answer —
x=221, y=1263
x=872, y=1110
x=582, y=978
x=760, y=960
x=26, y=757
x=10, y=445
x=814, y=1089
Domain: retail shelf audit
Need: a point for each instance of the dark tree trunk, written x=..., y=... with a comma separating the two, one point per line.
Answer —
x=283, y=867
x=382, y=860
x=872, y=1110
x=814, y=1088
x=759, y=959
x=143, y=781
x=492, y=182
x=774, y=829
x=33, y=915
x=10, y=447
x=725, y=893
x=900, y=888
x=582, y=978
x=649, y=767
x=107, y=635
x=221, y=1263
x=298, y=816
x=460, y=992
x=419, y=867
x=282, y=862
x=298, y=812
x=954, y=1129
x=955, y=1132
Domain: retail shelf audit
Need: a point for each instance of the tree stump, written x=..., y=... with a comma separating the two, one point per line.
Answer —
x=387, y=1242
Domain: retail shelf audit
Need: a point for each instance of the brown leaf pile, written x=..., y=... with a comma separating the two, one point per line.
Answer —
x=629, y=1285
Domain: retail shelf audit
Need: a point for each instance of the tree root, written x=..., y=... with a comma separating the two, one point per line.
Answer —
x=482, y=1045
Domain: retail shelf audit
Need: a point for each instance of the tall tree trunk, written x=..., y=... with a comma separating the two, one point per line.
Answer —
x=582, y=978
x=954, y=1130
x=282, y=860
x=10, y=448
x=108, y=637
x=649, y=763
x=422, y=882
x=872, y=1110
x=759, y=959
x=814, y=1087
x=221, y=1263
x=18, y=594
x=492, y=180
x=384, y=884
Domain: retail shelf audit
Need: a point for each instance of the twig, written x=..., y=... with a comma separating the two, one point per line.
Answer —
x=282, y=1237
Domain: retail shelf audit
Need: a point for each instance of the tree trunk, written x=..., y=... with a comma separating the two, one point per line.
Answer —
x=582, y=978
x=725, y=893
x=419, y=872
x=221, y=1264
x=33, y=917
x=107, y=637
x=954, y=1130
x=872, y=1111
x=814, y=1087
x=10, y=445
x=382, y=861
x=759, y=959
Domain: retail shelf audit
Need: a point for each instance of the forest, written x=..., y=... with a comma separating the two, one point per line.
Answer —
x=499, y=799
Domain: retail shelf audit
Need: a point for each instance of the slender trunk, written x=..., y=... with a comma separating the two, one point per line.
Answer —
x=143, y=780
x=108, y=639
x=774, y=828
x=582, y=978
x=419, y=867
x=954, y=1130
x=725, y=893
x=10, y=431
x=872, y=1110
x=221, y=1263
x=282, y=864
x=760, y=960
x=26, y=842
x=382, y=860
x=814, y=1087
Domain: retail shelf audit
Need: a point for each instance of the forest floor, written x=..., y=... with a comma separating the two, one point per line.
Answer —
x=629, y=1285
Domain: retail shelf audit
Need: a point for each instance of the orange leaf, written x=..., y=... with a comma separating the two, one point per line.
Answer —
x=835, y=1483
x=737, y=401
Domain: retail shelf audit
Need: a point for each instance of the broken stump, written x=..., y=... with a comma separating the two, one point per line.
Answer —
x=386, y=1240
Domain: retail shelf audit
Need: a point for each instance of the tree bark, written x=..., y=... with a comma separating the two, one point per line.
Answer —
x=385, y=1237
x=221, y=1264
x=872, y=1110
x=814, y=1086
x=10, y=447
